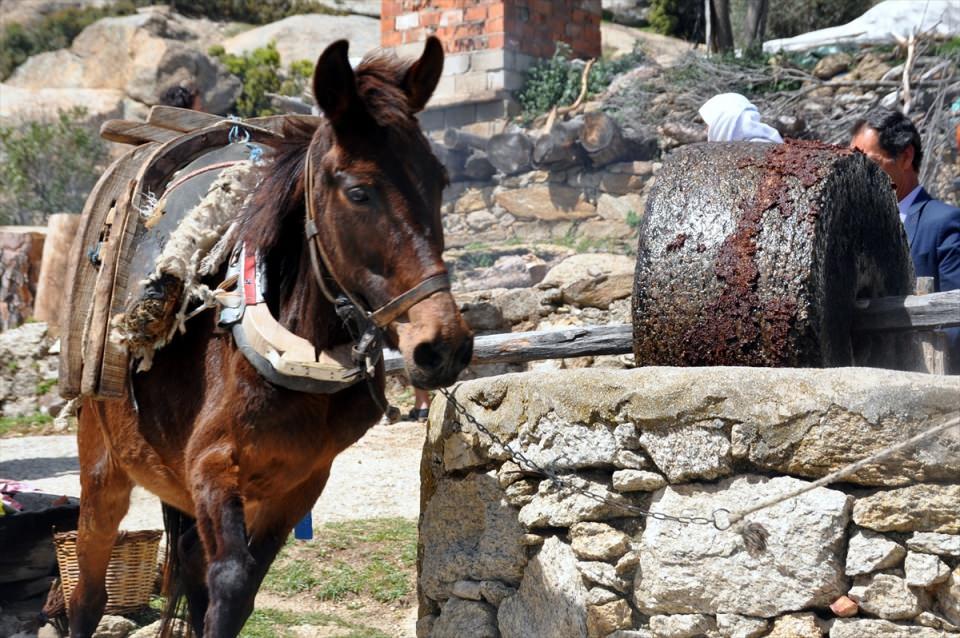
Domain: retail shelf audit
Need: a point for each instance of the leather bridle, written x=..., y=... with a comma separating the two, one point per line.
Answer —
x=365, y=325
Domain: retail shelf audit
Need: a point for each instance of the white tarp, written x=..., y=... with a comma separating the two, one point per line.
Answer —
x=880, y=25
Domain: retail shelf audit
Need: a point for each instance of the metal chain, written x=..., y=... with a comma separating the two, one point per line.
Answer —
x=718, y=519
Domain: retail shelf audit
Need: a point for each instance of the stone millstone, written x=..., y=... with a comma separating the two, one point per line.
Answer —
x=753, y=254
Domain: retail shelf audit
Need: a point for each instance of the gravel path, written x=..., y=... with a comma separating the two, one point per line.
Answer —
x=378, y=477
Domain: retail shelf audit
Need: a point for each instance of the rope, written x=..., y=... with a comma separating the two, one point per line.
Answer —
x=845, y=471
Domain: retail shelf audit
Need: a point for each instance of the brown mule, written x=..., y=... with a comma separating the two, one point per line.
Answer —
x=236, y=460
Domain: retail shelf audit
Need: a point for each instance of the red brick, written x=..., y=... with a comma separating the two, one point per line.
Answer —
x=390, y=39
x=429, y=18
x=495, y=41
x=475, y=13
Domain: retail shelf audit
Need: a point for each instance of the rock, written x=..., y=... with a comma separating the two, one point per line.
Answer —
x=948, y=597
x=630, y=460
x=869, y=552
x=474, y=199
x=934, y=543
x=887, y=596
x=593, y=280
x=114, y=627
x=179, y=628
x=550, y=601
x=563, y=507
x=929, y=619
x=619, y=208
x=737, y=626
x=481, y=314
x=603, y=574
x=627, y=565
x=870, y=68
x=561, y=446
x=682, y=626
x=683, y=454
x=522, y=304
x=637, y=481
x=918, y=508
x=547, y=202
x=698, y=569
x=304, y=37
x=622, y=186
x=494, y=592
x=597, y=541
x=924, y=570
x=481, y=220
x=832, y=65
x=601, y=596
x=140, y=55
x=607, y=618
x=20, y=105
x=466, y=534
x=425, y=625
x=467, y=589
x=862, y=628
x=844, y=607
x=460, y=618
x=802, y=625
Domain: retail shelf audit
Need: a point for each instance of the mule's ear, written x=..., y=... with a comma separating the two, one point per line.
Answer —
x=334, y=85
x=421, y=79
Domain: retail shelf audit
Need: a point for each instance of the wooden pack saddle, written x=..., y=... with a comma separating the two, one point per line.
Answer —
x=116, y=246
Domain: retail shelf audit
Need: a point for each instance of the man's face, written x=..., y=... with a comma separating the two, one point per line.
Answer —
x=899, y=168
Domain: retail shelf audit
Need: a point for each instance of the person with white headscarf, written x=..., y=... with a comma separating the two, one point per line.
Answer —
x=730, y=117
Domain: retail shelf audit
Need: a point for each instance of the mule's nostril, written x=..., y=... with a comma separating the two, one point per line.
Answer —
x=428, y=356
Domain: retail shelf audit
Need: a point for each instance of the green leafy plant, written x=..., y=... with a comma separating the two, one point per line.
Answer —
x=556, y=82
x=48, y=167
x=56, y=30
x=251, y=11
x=11, y=425
x=679, y=18
x=633, y=219
x=261, y=73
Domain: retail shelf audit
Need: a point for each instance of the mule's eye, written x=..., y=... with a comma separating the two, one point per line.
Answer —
x=358, y=195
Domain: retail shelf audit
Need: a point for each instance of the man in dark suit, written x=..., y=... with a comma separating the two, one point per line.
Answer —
x=891, y=140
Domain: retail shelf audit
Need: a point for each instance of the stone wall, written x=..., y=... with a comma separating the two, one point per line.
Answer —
x=586, y=208
x=505, y=553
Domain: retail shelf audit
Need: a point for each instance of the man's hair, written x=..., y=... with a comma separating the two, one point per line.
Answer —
x=180, y=96
x=895, y=132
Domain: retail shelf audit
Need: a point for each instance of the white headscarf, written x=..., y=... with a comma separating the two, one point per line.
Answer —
x=730, y=117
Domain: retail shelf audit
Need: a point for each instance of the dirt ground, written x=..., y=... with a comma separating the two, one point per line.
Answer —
x=378, y=477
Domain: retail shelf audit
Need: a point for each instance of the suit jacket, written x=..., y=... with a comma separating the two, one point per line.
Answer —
x=933, y=230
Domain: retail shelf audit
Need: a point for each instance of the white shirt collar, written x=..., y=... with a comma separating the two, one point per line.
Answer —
x=905, y=203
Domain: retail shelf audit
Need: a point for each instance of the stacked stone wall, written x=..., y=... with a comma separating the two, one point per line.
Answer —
x=506, y=553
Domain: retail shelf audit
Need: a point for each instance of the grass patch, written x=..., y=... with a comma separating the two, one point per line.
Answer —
x=350, y=561
x=23, y=425
x=275, y=623
x=45, y=386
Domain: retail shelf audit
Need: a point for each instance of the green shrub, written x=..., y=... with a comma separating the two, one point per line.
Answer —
x=54, y=31
x=556, y=82
x=261, y=73
x=47, y=167
x=678, y=18
x=252, y=11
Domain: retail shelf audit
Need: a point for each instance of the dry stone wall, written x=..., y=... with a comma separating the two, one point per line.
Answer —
x=506, y=553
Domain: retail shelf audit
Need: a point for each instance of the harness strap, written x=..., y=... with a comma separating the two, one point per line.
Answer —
x=401, y=303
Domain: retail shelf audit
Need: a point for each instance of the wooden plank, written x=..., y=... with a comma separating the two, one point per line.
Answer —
x=933, y=344
x=887, y=314
x=81, y=274
x=127, y=132
x=183, y=120
x=936, y=310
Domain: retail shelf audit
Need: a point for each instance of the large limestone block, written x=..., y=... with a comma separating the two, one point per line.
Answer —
x=873, y=628
x=554, y=506
x=948, y=597
x=698, y=569
x=460, y=618
x=469, y=532
x=924, y=570
x=592, y=279
x=887, y=596
x=918, y=508
x=935, y=543
x=304, y=37
x=802, y=422
x=19, y=105
x=551, y=600
x=546, y=202
x=796, y=626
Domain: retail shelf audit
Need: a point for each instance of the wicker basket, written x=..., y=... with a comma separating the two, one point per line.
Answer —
x=131, y=574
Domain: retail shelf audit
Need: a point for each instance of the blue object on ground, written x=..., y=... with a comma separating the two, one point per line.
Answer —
x=303, y=530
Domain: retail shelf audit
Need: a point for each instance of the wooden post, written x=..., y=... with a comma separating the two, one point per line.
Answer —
x=51, y=287
x=707, y=25
x=933, y=343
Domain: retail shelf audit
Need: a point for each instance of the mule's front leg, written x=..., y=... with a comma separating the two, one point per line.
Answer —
x=105, y=496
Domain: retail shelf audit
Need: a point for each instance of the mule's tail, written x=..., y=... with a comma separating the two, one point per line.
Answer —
x=175, y=525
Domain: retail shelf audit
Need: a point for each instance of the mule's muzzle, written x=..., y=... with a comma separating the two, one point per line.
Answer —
x=438, y=363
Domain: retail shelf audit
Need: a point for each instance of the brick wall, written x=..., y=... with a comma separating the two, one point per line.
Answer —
x=489, y=45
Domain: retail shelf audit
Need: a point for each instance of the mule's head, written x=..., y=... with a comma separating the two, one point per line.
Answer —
x=377, y=195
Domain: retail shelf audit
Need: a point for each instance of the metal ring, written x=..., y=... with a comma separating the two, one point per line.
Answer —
x=717, y=521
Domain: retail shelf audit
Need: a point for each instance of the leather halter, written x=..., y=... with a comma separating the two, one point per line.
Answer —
x=389, y=311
